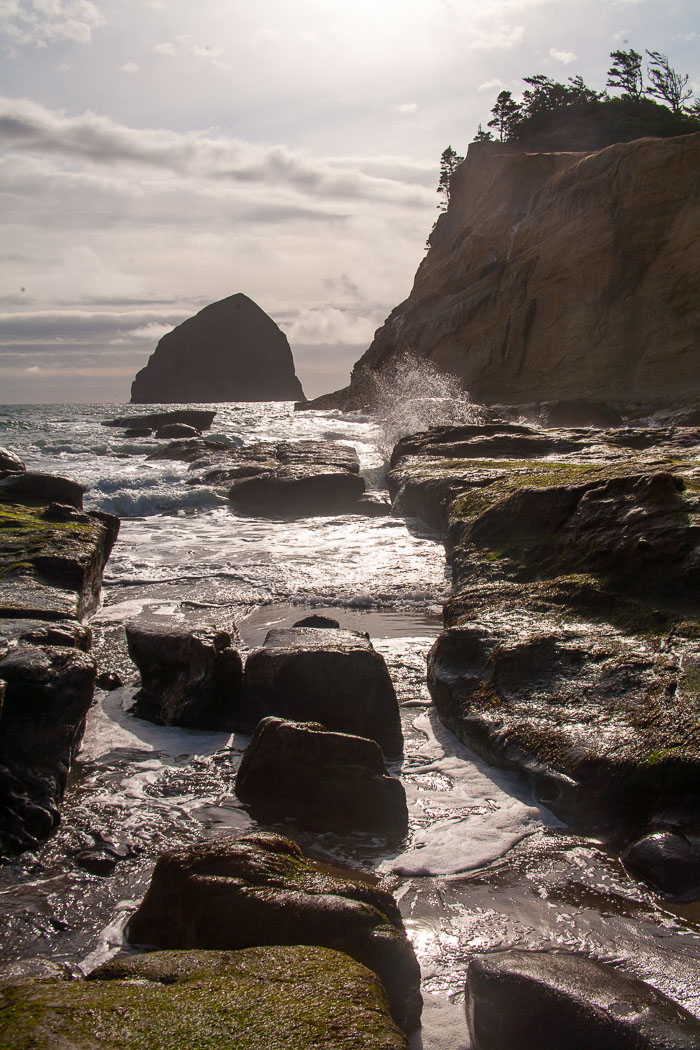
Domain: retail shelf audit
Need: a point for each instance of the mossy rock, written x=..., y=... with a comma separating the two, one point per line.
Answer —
x=271, y=998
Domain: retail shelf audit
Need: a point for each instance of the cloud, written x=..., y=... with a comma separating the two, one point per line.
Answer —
x=39, y=23
x=565, y=57
x=328, y=325
x=496, y=37
x=129, y=67
x=183, y=45
x=408, y=108
x=490, y=85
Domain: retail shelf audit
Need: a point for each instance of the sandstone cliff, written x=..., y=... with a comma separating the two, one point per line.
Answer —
x=562, y=277
x=230, y=351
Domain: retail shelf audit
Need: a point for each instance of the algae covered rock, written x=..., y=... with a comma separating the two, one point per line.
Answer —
x=269, y=998
x=324, y=779
x=260, y=889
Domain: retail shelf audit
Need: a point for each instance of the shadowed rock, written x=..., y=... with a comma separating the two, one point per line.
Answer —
x=330, y=676
x=668, y=861
x=9, y=461
x=230, y=351
x=324, y=779
x=528, y=1000
x=238, y=893
x=44, y=488
x=177, y=430
x=199, y=418
x=188, y=678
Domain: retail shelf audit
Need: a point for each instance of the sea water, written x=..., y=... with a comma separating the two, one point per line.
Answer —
x=484, y=866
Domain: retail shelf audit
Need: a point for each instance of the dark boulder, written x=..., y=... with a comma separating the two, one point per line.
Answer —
x=48, y=692
x=188, y=678
x=275, y=997
x=297, y=490
x=138, y=432
x=238, y=893
x=44, y=488
x=325, y=622
x=177, y=430
x=324, y=779
x=9, y=461
x=667, y=860
x=230, y=351
x=190, y=450
x=335, y=677
x=529, y=1000
x=200, y=418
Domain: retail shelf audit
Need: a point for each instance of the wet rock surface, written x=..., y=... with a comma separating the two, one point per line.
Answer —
x=51, y=560
x=331, y=676
x=269, y=997
x=239, y=893
x=571, y=648
x=9, y=461
x=668, y=861
x=199, y=418
x=188, y=678
x=323, y=779
x=527, y=1000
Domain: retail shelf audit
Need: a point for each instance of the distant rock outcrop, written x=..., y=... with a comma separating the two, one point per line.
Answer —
x=560, y=277
x=230, y=351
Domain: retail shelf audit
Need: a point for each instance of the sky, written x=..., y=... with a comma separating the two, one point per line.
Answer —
x=158, y=156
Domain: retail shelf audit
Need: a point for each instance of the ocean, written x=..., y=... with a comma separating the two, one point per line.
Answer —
x=484, y=865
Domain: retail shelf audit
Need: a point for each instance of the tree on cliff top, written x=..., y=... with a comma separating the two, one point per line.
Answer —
x=667, y=84
x=626, y=73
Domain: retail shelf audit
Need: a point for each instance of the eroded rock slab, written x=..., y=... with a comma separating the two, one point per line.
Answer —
x=239, y=893
x=335, y=677
x=526, y=1000
x=326, y=780
x=199, y=418
x=188, y=678
x=272, y=997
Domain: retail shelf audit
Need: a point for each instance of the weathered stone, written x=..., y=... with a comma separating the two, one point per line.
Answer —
x=238, y=893
x=199, y=418
x=669, y=861
x=297, y=490
x=532, y=287
x=188, y=677
x=189, y=450
x=330, y=676
x=109, y=680
x=177, y=430
x=528, y=1000
x=138, y=432
x=326, y=780
x=230, y=351
x=371, y=505
x=47, y=697
x=269, y=998
x=317, y=621
x=44, y=488
x=9, y=461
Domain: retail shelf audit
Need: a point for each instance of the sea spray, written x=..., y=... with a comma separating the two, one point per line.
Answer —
x=412, y=394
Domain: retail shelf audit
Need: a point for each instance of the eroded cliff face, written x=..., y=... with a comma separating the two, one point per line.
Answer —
x=562, y=277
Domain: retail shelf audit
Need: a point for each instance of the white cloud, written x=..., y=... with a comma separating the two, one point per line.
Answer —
x=565, y=57
x=327, y=325
x=183, y=45
x=407, y=108
x=129, y=67
x=496, y=37
x=39, y=23
x=490, y=85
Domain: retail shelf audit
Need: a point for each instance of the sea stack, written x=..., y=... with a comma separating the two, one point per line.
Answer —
x=230, y=351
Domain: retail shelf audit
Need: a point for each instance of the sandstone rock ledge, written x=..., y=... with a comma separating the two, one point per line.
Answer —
x=571, y=648
x=52, y=555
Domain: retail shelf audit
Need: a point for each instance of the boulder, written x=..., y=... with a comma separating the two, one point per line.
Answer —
x=48, y=692
x=138, y=432
x=335, y=677
x=326, y=780
x=190, y=450
x=44, y=488
x=230, y=351
x=240, y=893
x=9, y=461
x=297, y=491
x=519, y=1000
x=667, y=860
x=275, y=997
x=199, y=418
x=315, y=620
x=177, y=430
x=188, y=677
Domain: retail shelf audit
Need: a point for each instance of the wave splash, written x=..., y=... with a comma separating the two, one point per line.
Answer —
x=412, y=394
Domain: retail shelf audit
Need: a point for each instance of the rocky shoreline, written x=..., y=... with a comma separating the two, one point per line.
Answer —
x=570, y=653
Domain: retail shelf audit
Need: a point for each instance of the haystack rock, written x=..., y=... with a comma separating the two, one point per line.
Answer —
x=230, y=351
x=561, y=277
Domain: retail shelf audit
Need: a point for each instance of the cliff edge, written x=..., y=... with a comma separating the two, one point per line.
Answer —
x=561, y=277
x=230, y=351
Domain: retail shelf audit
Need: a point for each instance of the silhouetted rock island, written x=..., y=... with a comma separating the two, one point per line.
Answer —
x=230, y=351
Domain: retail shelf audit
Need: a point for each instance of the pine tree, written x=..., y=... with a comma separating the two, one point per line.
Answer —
x=449, y=160
x=626, y=73
x=666, y=84
x=506, y=113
